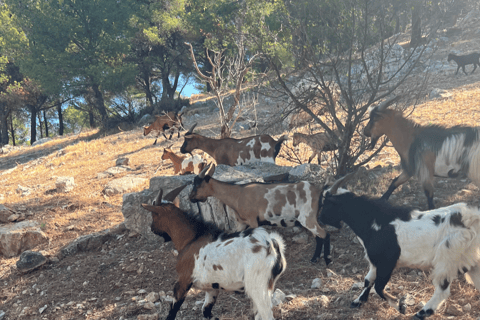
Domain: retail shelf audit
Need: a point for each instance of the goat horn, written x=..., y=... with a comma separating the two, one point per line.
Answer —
x=202, y=173
x=386, y=103
x=211, y=171
x=158, y=199
x=341, y=181
x=174, y=193
x=191, y=129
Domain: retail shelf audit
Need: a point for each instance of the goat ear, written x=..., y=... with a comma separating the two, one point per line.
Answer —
x=176, y=202
x=158, y=199
x=174, y=193
x=190, y=131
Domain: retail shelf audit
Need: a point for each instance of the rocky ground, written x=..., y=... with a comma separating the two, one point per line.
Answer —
x=121, y=275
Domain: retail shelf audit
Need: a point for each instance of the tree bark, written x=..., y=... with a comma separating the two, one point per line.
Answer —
x=39, y=114
x=91, y=120
x=100, y=104
x=12, y=130
x=60, y=120
x=3, y=126
x=33, y=124
x=416, y=37
x=45, y=122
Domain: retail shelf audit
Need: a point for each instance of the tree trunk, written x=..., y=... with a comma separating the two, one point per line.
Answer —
x=60, y=120
x=39, y=114
x=416, y=37
x=3, y=126
x=46, y=123
x=12, y=130
x=91, y=120
x=100, y=104
x=33, y=124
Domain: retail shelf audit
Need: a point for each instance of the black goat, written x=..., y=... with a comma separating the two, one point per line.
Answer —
x=462, y=61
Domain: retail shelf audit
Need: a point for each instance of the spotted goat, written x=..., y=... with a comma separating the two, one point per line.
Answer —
x=318, y=142
x=280, y=204
x=168, y=122
x=211, y=260
x=446, y=240
x=426, y=151
x=183, y=164
x=234, y=152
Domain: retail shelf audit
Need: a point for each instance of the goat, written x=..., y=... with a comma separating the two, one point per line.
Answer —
x=234, y=152
x=318, y=142
x=209, y=259
x=462, y=61
x=446, y=240
x=426, y=151
x=170, y=121
x=279, y=204
x=182, y=164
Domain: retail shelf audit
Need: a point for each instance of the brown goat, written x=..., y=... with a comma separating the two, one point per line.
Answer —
x=170, y=121
x=280, y=204
x=182, y=164
x=318, y=142
x=234, y=152
x=210, y=260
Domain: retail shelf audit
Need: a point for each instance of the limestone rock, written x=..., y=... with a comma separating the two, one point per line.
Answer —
x=5, y=213
x=454, y=310
x=307, y=171
x=41, y=141
x=122, y=185
x=64, y=184
x=147, y=316
x=88, y=242
x=278, y=297
x=324, y=301
x=301, y=238
x=16, y=238
x=24, y=191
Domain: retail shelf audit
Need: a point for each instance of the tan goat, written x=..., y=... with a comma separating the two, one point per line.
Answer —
x=234, y=152
x=318, y=142
x=280, y=204
x=171, y=121
x=182, y=164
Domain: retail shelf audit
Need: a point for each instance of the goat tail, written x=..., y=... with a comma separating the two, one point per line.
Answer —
x=474, y=162
x=263, y=273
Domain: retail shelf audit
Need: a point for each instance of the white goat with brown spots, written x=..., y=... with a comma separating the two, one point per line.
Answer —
x=211, y=260
x=183, y=164
x=171, y=121
x=280, y=204
x=318, y=142
x=234, y=152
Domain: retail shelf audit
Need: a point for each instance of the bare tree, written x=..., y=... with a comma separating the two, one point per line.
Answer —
x=226, y=71
x=357, y=66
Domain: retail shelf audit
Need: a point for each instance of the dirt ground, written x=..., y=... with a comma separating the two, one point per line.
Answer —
x=111, y=281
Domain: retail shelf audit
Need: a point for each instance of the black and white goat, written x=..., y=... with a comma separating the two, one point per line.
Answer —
x=426, y=151
x=211, y=260
x=279, y=204
x=446, y=240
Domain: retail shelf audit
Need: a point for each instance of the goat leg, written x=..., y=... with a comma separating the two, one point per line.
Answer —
x=155, y=141
x=180, y=292
x=398, y=181
x=210, y=299
x=326, y=251
x=369, y=281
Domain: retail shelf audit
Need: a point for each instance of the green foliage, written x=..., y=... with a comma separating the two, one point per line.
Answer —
x=75, y=119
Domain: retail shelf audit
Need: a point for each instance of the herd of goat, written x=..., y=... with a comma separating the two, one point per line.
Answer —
x=250, y=260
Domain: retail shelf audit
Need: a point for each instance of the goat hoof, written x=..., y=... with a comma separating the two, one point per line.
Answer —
x=417, y=317
x=327, y=261
x=355, y=304
x=314, y=260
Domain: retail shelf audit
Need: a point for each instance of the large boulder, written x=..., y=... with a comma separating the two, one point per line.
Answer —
x=18, y=237
x=5, y=213
x=140, y=220
x=122, y=185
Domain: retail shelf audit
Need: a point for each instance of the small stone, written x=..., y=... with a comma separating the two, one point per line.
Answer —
x=149, y=305
x=324, y=301
x=42, y=309
x=301, y=238
x=122, y=162
x=454, y=310
x=30, y=260
x=316, y=283
x=467, y=307
x=147, y=316
x=13, y=217
x=142, y=291
x=278, y=297
x=140, y=270
x=409, y=300
x=296, y=229
x=65, y=184
x=330, y=273
x=2, y=314
x=71, y=303
x=152, y=297
x=290, y=297
x=357, y=285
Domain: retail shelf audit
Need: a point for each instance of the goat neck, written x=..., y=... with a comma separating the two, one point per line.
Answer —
x=209, y=145
x=400, y=131
x=175, y=158
x=226, y=192
x=174, y=223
